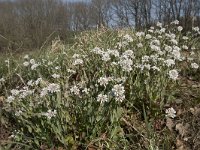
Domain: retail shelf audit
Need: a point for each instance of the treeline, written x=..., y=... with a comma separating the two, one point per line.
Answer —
x=29, y=23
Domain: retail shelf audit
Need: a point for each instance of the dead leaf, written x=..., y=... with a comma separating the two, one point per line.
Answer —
x=170, y=124
x=195, y=111
x=180, y=145
x=1, y=98
x=182, y=129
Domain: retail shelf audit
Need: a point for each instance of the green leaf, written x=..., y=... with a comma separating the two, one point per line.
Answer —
x=29, y=129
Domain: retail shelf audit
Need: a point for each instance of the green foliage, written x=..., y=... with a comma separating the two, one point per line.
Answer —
x=77, y=97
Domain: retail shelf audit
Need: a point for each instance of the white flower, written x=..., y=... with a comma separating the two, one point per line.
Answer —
x=103, y=81
x=139, y=34
x=30, y=83
x=126, y=64
x=26, y=57
x=175, y=22
x=168, y=48
x=71, y=71
x=192, y=53
x=139, y=45
x=176, y=48
x=170, y=112
x=50, y=113
x=194, y=65
x=185, y=47
x=38, y=81
x=180, y=28
x=190, y=58
x=10, y=99
x=78, y=62
x=97, y=50
x=102, y=98
x=155, y=42
x=185, y=38
x=113, y=63
x=7, y=61
x=25, y=93
x=129, y=53
x=195, y=29
x=57, y=67
x=32, y=61
x=148, y=36
x=173, y=74
x=56, y=76
x=170, y=36
x=18, y=113
x=128, y=38
x=118, y=91
x=155, y=68
x=53, y=88
x=145, y=58
x=169, y=62
x=15, y=92
x=113, y=52
x=44, y=92
x=154, y=58
x=2, y=80
x=176, y=54
x=155, y=48
x=105, y=56
x=162, y=30
x=174, y=41
x=49, y=63
x=119, y=80
x=86, y=90
x=147, y=66
x=76, y=56
x=34, y=66
x=26, y=63
x=150, y=30
x=75, y=90
x=159, y=24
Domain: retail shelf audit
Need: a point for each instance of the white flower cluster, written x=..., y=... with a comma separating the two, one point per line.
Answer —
x=56, y=76
x=194, y=65
x=173, y=74
x=113, y=53
x=176, y=22
x=2, y=80
x=50, y=113
x=128, y=38
x=195, y=29
x=102, y=98
x=51, y=88
x=18, y=113
x=97, y=50
x=126, y=63
x=170, y=112
x=105, y=56
x=119, y=92
x=78, y=61
x=20, y=94
x=169, y=62
x=31, y=62
x=104, y=80
x=75, y=90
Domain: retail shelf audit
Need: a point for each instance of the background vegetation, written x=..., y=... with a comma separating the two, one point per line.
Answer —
x=27, y=24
